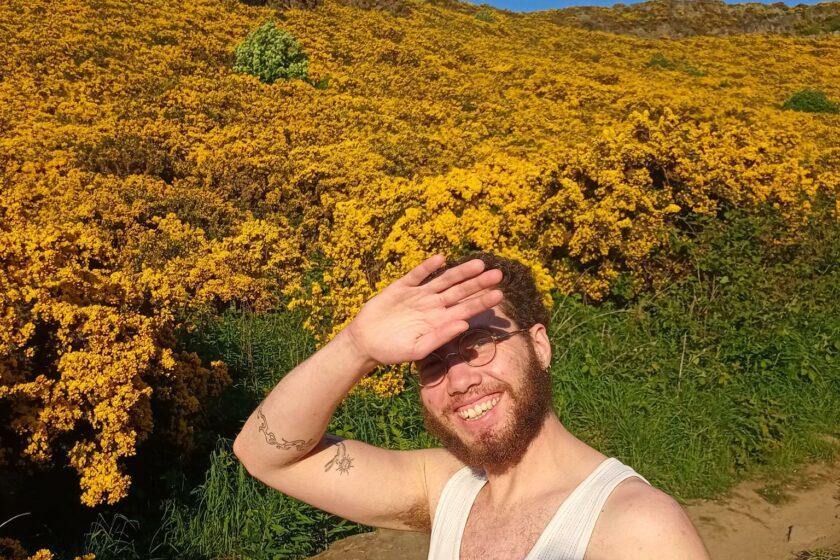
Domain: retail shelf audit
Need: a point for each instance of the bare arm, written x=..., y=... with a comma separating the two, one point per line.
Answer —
x=283, y=443
x=292, y=419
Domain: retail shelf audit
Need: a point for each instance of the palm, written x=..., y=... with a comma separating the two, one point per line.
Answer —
x=406, y=320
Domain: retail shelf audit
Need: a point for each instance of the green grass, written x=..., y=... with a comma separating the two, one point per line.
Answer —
x=731, y=372
x=774, y=494
x=238, y=517
x=114, y=539
x=727, y=374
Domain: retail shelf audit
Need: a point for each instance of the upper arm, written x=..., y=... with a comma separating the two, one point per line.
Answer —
x=644, y=523
x=364, y=483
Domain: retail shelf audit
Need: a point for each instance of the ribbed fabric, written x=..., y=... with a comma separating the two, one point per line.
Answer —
x=565, y=537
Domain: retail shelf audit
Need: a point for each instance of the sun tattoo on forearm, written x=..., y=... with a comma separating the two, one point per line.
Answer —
x=342, y=461
x=284, y=444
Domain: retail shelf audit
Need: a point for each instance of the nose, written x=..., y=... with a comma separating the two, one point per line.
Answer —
x=461, y=376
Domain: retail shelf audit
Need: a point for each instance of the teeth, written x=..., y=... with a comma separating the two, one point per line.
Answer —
x=477, y=411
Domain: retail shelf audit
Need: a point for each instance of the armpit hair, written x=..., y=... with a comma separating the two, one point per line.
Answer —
x=417, y=517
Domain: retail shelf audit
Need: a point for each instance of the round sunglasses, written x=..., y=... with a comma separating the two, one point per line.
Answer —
x=477, y=347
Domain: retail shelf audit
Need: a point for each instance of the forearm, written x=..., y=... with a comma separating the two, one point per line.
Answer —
x=294, y=416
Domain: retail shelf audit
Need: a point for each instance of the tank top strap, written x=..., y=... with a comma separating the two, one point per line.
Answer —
x=453, y=509
x=567, y=534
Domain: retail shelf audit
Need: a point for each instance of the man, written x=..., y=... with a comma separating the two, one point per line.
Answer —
x=511, y=482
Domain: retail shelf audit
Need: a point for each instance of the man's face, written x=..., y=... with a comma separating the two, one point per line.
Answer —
x=499, y=437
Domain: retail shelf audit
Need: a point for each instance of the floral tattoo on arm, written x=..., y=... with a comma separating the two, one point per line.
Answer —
x=284, y=444
x=342, y=461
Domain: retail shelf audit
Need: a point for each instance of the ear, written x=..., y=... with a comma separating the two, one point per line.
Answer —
x=542, y=345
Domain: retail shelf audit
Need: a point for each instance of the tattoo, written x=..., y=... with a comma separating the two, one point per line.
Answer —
x=342, y=461
x=284, y=444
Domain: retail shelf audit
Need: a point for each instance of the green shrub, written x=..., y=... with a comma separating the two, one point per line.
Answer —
x=658, y=60
x=828, y=25
x=831, y=24
x=271, y=53
x=484, y=14
x=811, y=101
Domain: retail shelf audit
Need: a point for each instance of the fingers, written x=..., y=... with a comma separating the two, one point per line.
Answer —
x=456, y=275
x=422, y=270
x=438, y=337
x=473, y=306
x=466, y=289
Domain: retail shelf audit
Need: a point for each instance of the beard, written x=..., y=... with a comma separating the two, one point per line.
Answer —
x=502, y=446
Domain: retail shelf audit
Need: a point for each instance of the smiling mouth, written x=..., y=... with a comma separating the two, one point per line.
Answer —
x=479, y=409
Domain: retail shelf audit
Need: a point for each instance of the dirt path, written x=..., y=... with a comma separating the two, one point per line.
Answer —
x=755, y=521
x=775, y=521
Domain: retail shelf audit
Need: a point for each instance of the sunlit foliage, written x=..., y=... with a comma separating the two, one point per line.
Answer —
x=270, y=54
x=11, y=549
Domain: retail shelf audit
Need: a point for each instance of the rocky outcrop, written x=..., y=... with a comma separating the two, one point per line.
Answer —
x=685, y=18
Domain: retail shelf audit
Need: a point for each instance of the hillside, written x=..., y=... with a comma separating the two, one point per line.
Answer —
x=687, y=18
x=653, y=18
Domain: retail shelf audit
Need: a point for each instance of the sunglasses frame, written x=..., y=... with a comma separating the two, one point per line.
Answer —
x=496, y=338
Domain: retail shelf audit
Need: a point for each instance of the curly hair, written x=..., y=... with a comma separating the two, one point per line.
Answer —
x=522, y=301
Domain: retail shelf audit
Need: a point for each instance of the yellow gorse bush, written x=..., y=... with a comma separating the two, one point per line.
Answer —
x=144, y=182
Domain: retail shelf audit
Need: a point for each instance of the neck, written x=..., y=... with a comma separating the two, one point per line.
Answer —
x=554, y=461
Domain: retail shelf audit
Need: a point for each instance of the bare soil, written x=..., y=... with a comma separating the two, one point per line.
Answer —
x=756, y=520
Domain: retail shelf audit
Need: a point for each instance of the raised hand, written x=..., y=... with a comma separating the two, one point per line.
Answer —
x=407, y=321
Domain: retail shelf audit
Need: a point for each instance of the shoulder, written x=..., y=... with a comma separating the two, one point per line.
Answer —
x=642, y=522
x=439, y=465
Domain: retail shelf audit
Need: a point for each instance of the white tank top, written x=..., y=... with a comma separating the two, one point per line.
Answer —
x=565, y=537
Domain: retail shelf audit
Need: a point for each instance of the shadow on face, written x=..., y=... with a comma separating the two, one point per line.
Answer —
x=524, y=387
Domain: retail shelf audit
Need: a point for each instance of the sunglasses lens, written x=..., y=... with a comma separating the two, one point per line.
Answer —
x=429, y=370
x=477, y=348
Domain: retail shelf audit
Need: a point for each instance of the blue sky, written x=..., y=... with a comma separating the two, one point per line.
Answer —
x=532, y=5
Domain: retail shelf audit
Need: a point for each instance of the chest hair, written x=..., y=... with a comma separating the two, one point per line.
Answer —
x=508, y=534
